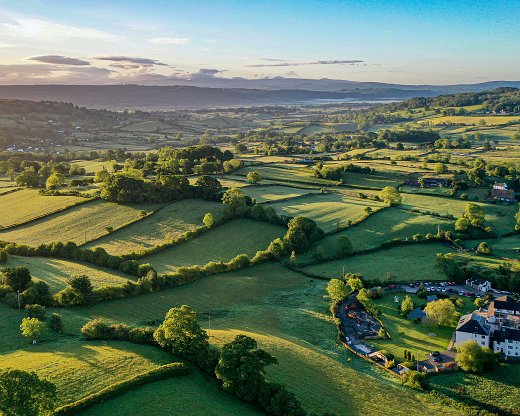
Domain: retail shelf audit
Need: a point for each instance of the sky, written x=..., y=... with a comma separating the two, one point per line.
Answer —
x=160, y=41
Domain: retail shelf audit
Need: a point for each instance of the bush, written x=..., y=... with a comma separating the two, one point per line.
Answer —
x=96, y=329
x=56, y=322
x=3, y=256
x=413, y=379
x=11, y=299
x=38, y=293
x=35, y=311
x=4, y=290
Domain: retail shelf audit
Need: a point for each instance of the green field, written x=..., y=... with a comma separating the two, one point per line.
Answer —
x=291, y=173
x=274, y=193
x=331, y=211
x=56, y=272
x=382, y=226
x=406, y=263
x=373, y=180
x=26, y=204
x=165, y=225
x=79, y=224
x=241, y=236
x=196, y=394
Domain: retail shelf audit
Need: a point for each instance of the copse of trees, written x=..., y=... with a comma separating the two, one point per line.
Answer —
x=391, y=196
x=301, y=234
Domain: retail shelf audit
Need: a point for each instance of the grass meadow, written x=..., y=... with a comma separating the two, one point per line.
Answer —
x=26, y=204
x=80, y=224
x=241, y=236
x=165, y=225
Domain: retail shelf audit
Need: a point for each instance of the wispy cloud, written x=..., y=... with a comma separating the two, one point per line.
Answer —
x=26, y=27
x=325, y=62
x=48, y=74
x=59, y=60
x=131, y=60
x=170, y=41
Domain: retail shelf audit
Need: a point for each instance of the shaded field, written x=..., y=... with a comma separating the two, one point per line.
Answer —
x=273, y=193
x=55, y=272
x=372, y=180
x=26, y=204
x=498, y=390
x=241, y=236
x=165, y=225
x=287, y=174
x=406, y=263
x=92, y=166
x=330, y=211
x=508, y=247
x=196, y=394
x=79, y=224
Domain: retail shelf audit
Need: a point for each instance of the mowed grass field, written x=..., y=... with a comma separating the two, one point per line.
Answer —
x=382, y=226
x=196, y=394
x=288, y=316
x=406, y=263
x=373, y=180
x=56, y=272
x=163, y=226
x=330, y=211
x=241, y=236
x=79, y=224
x=26, y=204
x=288, y=173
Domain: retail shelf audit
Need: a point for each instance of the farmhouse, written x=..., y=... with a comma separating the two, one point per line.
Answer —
x=479, y=284
x=500, y=192
x=497, y=328
x=429, y=182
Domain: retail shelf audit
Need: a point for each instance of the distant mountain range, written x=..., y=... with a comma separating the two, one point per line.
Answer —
x=233, y=92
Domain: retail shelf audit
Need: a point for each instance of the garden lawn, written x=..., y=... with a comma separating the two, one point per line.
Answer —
x=241, y=236
x=411, y=262
x=56, y=272
x=330, y=211
x=27, y=204
x=79, y=224
x=165, y=225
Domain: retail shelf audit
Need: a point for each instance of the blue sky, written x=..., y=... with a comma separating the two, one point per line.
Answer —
x=411, y=42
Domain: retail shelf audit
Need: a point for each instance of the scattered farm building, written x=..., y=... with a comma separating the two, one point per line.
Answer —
x=502, y=193
x=479, y=284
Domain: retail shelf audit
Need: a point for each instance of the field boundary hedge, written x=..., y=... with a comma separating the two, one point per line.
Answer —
x=161, y=373
x=10, y=191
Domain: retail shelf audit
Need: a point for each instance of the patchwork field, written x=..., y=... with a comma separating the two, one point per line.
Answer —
x=295, y=173
x=274, y=193
x=224, y=242
x=406, y=263
x=378, y=181
x=165, y=225
x=26, y=204
x=79, y=224
x=56, y=272
x=331, y=211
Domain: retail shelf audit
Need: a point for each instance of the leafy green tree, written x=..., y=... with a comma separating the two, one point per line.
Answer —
x=407, y=305
x=31, y=328
x=3, y=256
x=354, y=281
x=25, y=394
x=440, y=168
x=78, y=292
x=484, y=248
x=472, y=358
x=413, y=379
x=101, y=176
x=181, y=334
x=254, y=177
x=17, y=278
x=208, y=220
x=35, y=311
x=302, y=232
x=235, y=201
x=38, y=293
x=391, y=196
x=29, y=178
x=462, y=225
x=56, y=322
x=475, y=214
x=337, y=290
x=56, y=180
x=241, y=367
x=208, y=187
x=441, y=312
x=345, y=245
x=517, y=216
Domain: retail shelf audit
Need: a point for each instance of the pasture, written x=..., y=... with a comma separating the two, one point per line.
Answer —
x=80, y=224
x=373, y=180
x=164, y=225
x=331, y=211
x=241, y=236
x=288, y=173
x=262, y=193
x=26, y=205
x=56, y=272
x=411, y=262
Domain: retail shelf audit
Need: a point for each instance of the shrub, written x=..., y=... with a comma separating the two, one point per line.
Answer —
x=141, y=335
x=11, y=299
x=413, y=379
x=38, y=293
x=96, y=329
x=239, y=262
x=3, y=256
x=35, y=311
x=56, y=322
x=4, y=290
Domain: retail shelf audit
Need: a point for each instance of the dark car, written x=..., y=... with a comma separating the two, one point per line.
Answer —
x=436, y=354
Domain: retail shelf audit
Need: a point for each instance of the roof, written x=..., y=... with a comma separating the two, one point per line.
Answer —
x=507, y=303
x=472, y=324
x=507, y=333
x=476, y=281
x=503, y=193
x=501, y=184
x=431, y=298
x=416, y=313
